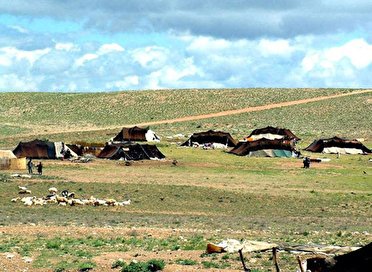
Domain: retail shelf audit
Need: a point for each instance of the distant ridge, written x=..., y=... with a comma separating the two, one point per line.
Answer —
x=250, y=109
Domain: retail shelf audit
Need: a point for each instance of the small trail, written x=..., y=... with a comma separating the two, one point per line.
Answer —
x=205, y=116
x=250, y=109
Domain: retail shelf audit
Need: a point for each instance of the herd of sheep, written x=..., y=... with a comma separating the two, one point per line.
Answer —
x=64, y=199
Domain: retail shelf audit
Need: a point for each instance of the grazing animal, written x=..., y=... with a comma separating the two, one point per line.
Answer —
x=53, y=190
x=61, y=199
x=125, y=202
x=110, y=202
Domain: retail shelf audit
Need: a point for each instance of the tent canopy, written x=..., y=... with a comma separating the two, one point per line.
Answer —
x=211, y=136
x=272, y=133
x=41, y=149
x=135, y=134
x=264, y=148
x=131, y=152
x=338, y=145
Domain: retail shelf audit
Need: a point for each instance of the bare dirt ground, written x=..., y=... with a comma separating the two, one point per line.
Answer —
x=13, y=262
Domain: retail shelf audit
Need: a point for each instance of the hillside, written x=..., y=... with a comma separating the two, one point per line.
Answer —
x=97, y=116
x=209, y=196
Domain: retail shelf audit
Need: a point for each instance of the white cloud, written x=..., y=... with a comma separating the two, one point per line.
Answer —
x=128, y=83
x=10, y=54
x=13, y=82
x=103, y=50
x=87, y=57
x=109, y=48
x=66, y=47
x=151, y=57
x=358, y=52
x=207, y=43
x=172, y=76
x=275, y=47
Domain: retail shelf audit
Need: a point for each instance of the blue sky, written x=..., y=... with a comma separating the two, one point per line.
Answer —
x=98, y=45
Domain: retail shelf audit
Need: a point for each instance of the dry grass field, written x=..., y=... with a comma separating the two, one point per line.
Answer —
x=208, y=197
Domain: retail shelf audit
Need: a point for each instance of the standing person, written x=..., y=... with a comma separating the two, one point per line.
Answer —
x=39, y=168
x=306, y=162
x=30, y=164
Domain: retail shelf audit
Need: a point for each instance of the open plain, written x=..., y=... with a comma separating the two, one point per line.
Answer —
x=209, y=196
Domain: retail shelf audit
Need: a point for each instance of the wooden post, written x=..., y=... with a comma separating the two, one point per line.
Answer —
x=242, y=259
x=275, y=260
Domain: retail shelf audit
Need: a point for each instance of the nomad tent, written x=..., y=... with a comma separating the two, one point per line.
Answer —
x=338, y=145
x=211, y=137
x=265, y=148
x=272, y=133
x=40, y=149
x=133, y=152
x=135, y=134
x=8, y=161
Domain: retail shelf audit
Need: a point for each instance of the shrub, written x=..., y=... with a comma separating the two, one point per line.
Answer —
x=150, y=266
x=86, y=266
x=118, y=263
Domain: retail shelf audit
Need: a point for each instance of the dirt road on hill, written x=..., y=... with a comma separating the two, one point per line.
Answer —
x=54, y=130
x=250, y=109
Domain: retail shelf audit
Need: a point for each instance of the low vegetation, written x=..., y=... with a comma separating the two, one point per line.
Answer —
x=208, y=197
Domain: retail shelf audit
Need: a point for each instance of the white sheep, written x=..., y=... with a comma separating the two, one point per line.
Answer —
x=28, y=203
x=27, y=198
x=39, y=201
x=124, y=203
x=53, y=190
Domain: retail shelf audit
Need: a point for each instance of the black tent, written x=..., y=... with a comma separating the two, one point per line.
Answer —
x=36, y=149
x=264, y=147
x=133, y=152
x=273, y=132
x=338, y=145
x=211, y=136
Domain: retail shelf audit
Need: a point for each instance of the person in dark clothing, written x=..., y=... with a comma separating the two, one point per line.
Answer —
x=306, y=162
x=39, y=167
x=30, y=164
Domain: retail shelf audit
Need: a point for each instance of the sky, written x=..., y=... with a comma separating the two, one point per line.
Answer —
x=100, y=45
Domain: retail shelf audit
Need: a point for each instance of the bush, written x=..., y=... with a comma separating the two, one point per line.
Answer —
x=118, y=263
x=86, y=266
x=150, y=266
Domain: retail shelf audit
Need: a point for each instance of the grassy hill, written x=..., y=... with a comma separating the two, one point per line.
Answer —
x=67, y=117
x=208, y=197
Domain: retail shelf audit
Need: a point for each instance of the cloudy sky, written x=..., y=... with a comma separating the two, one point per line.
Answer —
x=99, y=45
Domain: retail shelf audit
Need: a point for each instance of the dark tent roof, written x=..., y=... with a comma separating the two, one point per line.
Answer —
x=358, y=260
x=131, y=134
x=131, y=152
x=78, y=149
x=275, y=130
x=243, y=148
x=36, y=149
x=211, y=136
x=319, y=145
